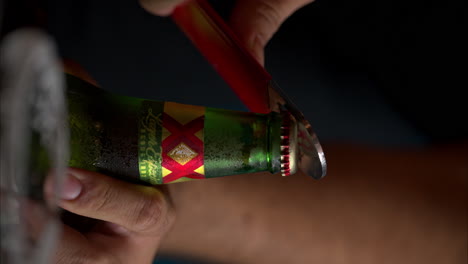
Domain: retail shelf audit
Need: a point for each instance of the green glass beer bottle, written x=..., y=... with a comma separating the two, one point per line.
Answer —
x=162, y=142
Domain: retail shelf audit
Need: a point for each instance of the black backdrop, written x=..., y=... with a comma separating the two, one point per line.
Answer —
x=369, y=71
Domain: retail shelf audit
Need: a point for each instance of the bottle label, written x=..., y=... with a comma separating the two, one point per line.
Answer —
x=171, y=142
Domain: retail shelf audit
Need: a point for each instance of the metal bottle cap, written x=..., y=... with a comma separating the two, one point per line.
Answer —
x=289, y=145
x=305, y=151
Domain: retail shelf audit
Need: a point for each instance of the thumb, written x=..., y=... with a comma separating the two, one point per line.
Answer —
x=255, y=21
x=140, y=209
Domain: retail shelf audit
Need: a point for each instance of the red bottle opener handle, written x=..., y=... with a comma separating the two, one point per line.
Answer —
x=233, y=62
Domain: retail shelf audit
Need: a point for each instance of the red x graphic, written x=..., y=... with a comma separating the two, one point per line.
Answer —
x=182, y=134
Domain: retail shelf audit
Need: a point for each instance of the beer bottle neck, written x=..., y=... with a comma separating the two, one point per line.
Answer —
x=239, y=142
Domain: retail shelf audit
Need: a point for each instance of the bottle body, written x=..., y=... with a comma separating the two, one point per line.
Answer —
x=160, y=142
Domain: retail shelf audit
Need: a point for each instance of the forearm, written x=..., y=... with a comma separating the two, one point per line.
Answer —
x=373, y=207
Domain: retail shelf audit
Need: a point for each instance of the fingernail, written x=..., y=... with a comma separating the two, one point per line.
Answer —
x=256, y=47
x=71, y=188
x=117, y=229
x=158, y=7
x=253, y=42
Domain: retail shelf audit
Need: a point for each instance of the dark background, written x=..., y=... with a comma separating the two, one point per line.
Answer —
x=365, y=71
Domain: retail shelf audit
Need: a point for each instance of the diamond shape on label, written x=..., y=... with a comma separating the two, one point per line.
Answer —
x=182, y=153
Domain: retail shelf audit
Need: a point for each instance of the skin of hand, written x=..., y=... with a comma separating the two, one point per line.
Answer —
x=375, y=205
x=253, y=21
x=131, y=219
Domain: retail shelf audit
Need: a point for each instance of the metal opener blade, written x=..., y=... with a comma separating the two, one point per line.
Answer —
x=246, y=77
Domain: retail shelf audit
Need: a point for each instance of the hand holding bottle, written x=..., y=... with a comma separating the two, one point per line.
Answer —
x=132, y=219
x=131, y=224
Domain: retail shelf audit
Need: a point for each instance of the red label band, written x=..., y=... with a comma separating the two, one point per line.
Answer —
x=182, y=143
